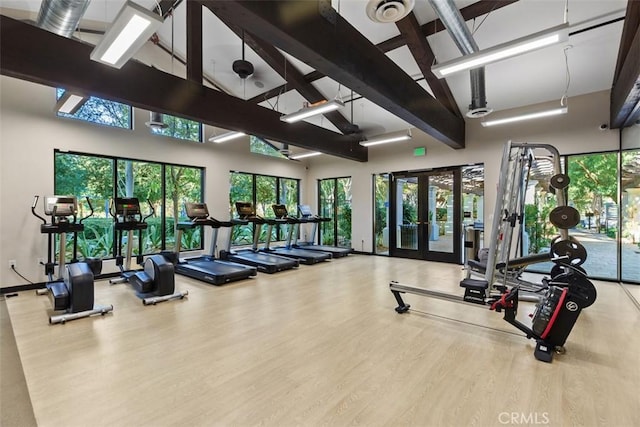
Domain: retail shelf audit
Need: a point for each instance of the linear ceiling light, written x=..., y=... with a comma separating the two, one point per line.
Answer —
x=133, y=26
x=302, y=156
x=226, y=137
x=557, y=34
x=70, y=103
x=387, y=138
x=314, y=110
x=546, y=113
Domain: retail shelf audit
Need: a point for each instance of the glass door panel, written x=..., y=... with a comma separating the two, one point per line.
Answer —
x=440, y=212
x=425, y=216
x=406, y=223
x=630, y=204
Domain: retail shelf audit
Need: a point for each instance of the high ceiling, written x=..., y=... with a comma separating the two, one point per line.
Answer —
x=283, y=83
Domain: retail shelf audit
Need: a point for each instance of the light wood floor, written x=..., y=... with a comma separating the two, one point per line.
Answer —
x=323, y=346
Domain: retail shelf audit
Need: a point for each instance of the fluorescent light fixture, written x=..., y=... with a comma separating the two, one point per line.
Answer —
x=547, y=113
x=387, y=138
x=133, y=26
x=557, y=34
x=302, y=156
x=314, y=110
x=226, y=137
x=70, y=103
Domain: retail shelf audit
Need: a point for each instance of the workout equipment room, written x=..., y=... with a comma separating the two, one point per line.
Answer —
x=322, y=212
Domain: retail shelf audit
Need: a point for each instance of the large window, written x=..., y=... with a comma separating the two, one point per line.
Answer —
x=263, y=191
x=260, y=146
x=608, y=212
x=101, y=111
x=179, y=128
x=630, y=213
x=161, y=188
x=381, y=214
x=335, y=202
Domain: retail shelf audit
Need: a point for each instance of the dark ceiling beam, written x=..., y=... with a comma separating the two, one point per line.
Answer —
x=286, y=70
x=194, y=42
x=32, y=54
x=424, y=57
x=167, y=7
x=470, y=12
x=625, y=93
x=314, y=33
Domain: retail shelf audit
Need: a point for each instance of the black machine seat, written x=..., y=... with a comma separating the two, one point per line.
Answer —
x=157, y=278
x=475, y=291
x=474, y=284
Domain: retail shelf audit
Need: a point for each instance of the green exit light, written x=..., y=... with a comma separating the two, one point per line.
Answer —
x=420, y=151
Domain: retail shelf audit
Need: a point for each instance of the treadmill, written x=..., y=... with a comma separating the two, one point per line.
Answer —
x=307, y=216
x=263, y=261
x=306, y=257
x=207, y=268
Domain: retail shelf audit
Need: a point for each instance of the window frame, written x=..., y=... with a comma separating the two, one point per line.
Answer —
x=163, y=196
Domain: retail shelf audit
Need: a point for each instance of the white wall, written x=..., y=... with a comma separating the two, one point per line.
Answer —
x=29, y=133
x=576, y=132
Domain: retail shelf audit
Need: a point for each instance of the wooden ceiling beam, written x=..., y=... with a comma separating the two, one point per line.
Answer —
x=32, y=54
x=424, y=57
x=166, y=6
x=194, y=42
x=295, y=79
x=472, y=11
x=625, y=93
x=314, y=33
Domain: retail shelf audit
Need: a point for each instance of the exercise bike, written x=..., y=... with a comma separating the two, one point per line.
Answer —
x=156, y=282
x=72, y=290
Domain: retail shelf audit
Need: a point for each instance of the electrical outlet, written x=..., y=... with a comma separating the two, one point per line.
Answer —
x=12, y=263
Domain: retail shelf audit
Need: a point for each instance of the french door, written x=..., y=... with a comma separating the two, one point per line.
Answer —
x=425, y=215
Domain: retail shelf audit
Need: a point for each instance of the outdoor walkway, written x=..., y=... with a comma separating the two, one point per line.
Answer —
x=601, y=256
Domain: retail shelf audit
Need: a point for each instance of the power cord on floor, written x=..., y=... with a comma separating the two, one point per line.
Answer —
x=13, y=267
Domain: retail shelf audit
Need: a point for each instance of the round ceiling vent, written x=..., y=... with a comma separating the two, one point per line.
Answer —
x=388, y=10
x=479, y=112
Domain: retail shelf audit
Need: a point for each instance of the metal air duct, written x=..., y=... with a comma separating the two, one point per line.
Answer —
x=61, y=16
x=454, y=22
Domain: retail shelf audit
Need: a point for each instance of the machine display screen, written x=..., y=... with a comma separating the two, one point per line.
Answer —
x=60, y=206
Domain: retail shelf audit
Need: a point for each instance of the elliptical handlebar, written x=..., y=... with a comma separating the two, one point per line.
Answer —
x=111, y=212
x=153, y=211
x=33, y=209
x=90, y=210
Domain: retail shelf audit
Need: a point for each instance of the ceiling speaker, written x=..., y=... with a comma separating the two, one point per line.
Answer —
x=388, y=10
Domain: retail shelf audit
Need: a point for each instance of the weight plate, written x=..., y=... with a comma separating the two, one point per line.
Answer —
x=558, y=238
x=580, y=286
x=576, y=253
x=564, y=217
x=559, y=181
x=561, y=268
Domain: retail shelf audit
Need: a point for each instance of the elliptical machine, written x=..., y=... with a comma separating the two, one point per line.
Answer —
x=156, y=282
x=72, y=290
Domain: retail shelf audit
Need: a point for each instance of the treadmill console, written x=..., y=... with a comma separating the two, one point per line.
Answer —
x=61, y=206
x=280, y=211
x=196, y=210
x=244, y=209
x=305, y=211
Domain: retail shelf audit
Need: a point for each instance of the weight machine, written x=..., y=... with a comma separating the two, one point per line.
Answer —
x=559, y=299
